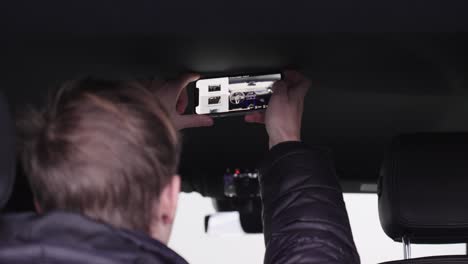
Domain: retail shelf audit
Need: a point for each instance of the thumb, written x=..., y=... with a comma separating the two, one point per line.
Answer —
x=188, y=121
x=280, y=91
x=181, y=83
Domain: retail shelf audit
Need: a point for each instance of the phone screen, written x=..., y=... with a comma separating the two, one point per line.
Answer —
x=239, y=94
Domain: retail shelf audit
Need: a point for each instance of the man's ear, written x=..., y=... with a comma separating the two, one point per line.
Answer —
x=165, y=211
x=168, y=201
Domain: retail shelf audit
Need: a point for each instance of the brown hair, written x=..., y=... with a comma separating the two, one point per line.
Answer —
x=102, y=148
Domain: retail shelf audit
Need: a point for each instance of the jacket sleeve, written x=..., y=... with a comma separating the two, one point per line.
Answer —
x=304, y=215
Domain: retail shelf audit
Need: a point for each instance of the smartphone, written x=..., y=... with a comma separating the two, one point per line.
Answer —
x=234, y=95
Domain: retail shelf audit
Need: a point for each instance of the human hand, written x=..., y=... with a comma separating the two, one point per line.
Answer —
x=283, y=117
x=173, y=96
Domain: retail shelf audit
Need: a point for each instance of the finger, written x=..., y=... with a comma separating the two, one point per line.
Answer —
x=181, y=83
x=298, y=83
x=256, y=117
x=292, y=77
x=188, y=121
x=279, y=87
x=182, y=102
x=172, y=89
x=280, y=92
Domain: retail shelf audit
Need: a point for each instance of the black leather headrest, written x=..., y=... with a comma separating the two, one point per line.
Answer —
x=423, y=188
x=7, y=152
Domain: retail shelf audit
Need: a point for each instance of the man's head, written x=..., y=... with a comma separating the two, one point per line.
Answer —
x=107, y=150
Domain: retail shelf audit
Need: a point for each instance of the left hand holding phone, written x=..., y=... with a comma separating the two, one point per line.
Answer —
x=174, y=97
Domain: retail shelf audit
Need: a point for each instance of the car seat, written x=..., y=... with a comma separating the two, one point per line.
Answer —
x=423, y=193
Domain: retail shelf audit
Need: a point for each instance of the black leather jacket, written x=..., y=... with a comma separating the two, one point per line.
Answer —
x=304, y=216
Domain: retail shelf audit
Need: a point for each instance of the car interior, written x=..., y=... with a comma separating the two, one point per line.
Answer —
x=420, y=191
x=389, y=102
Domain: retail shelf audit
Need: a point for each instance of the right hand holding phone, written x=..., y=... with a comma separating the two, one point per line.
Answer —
x=283, y=117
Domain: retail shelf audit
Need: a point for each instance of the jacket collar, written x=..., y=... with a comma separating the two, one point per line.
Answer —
x=75, y=229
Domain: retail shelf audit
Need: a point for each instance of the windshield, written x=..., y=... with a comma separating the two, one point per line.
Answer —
x=189, y=238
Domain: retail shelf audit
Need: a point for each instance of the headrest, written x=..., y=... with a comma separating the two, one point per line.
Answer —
x=423, y=188
x=7, y=152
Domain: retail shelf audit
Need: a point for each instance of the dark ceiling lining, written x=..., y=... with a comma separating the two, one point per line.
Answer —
x=149, y=16
x=368, y=87
x=413, y=57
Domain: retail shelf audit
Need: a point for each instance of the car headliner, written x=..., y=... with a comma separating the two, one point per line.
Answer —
x=367, y=87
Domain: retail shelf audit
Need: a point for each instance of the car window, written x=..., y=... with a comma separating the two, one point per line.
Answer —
x=190, y=240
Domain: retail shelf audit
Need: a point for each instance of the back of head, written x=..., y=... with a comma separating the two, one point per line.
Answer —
x=103, y=149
